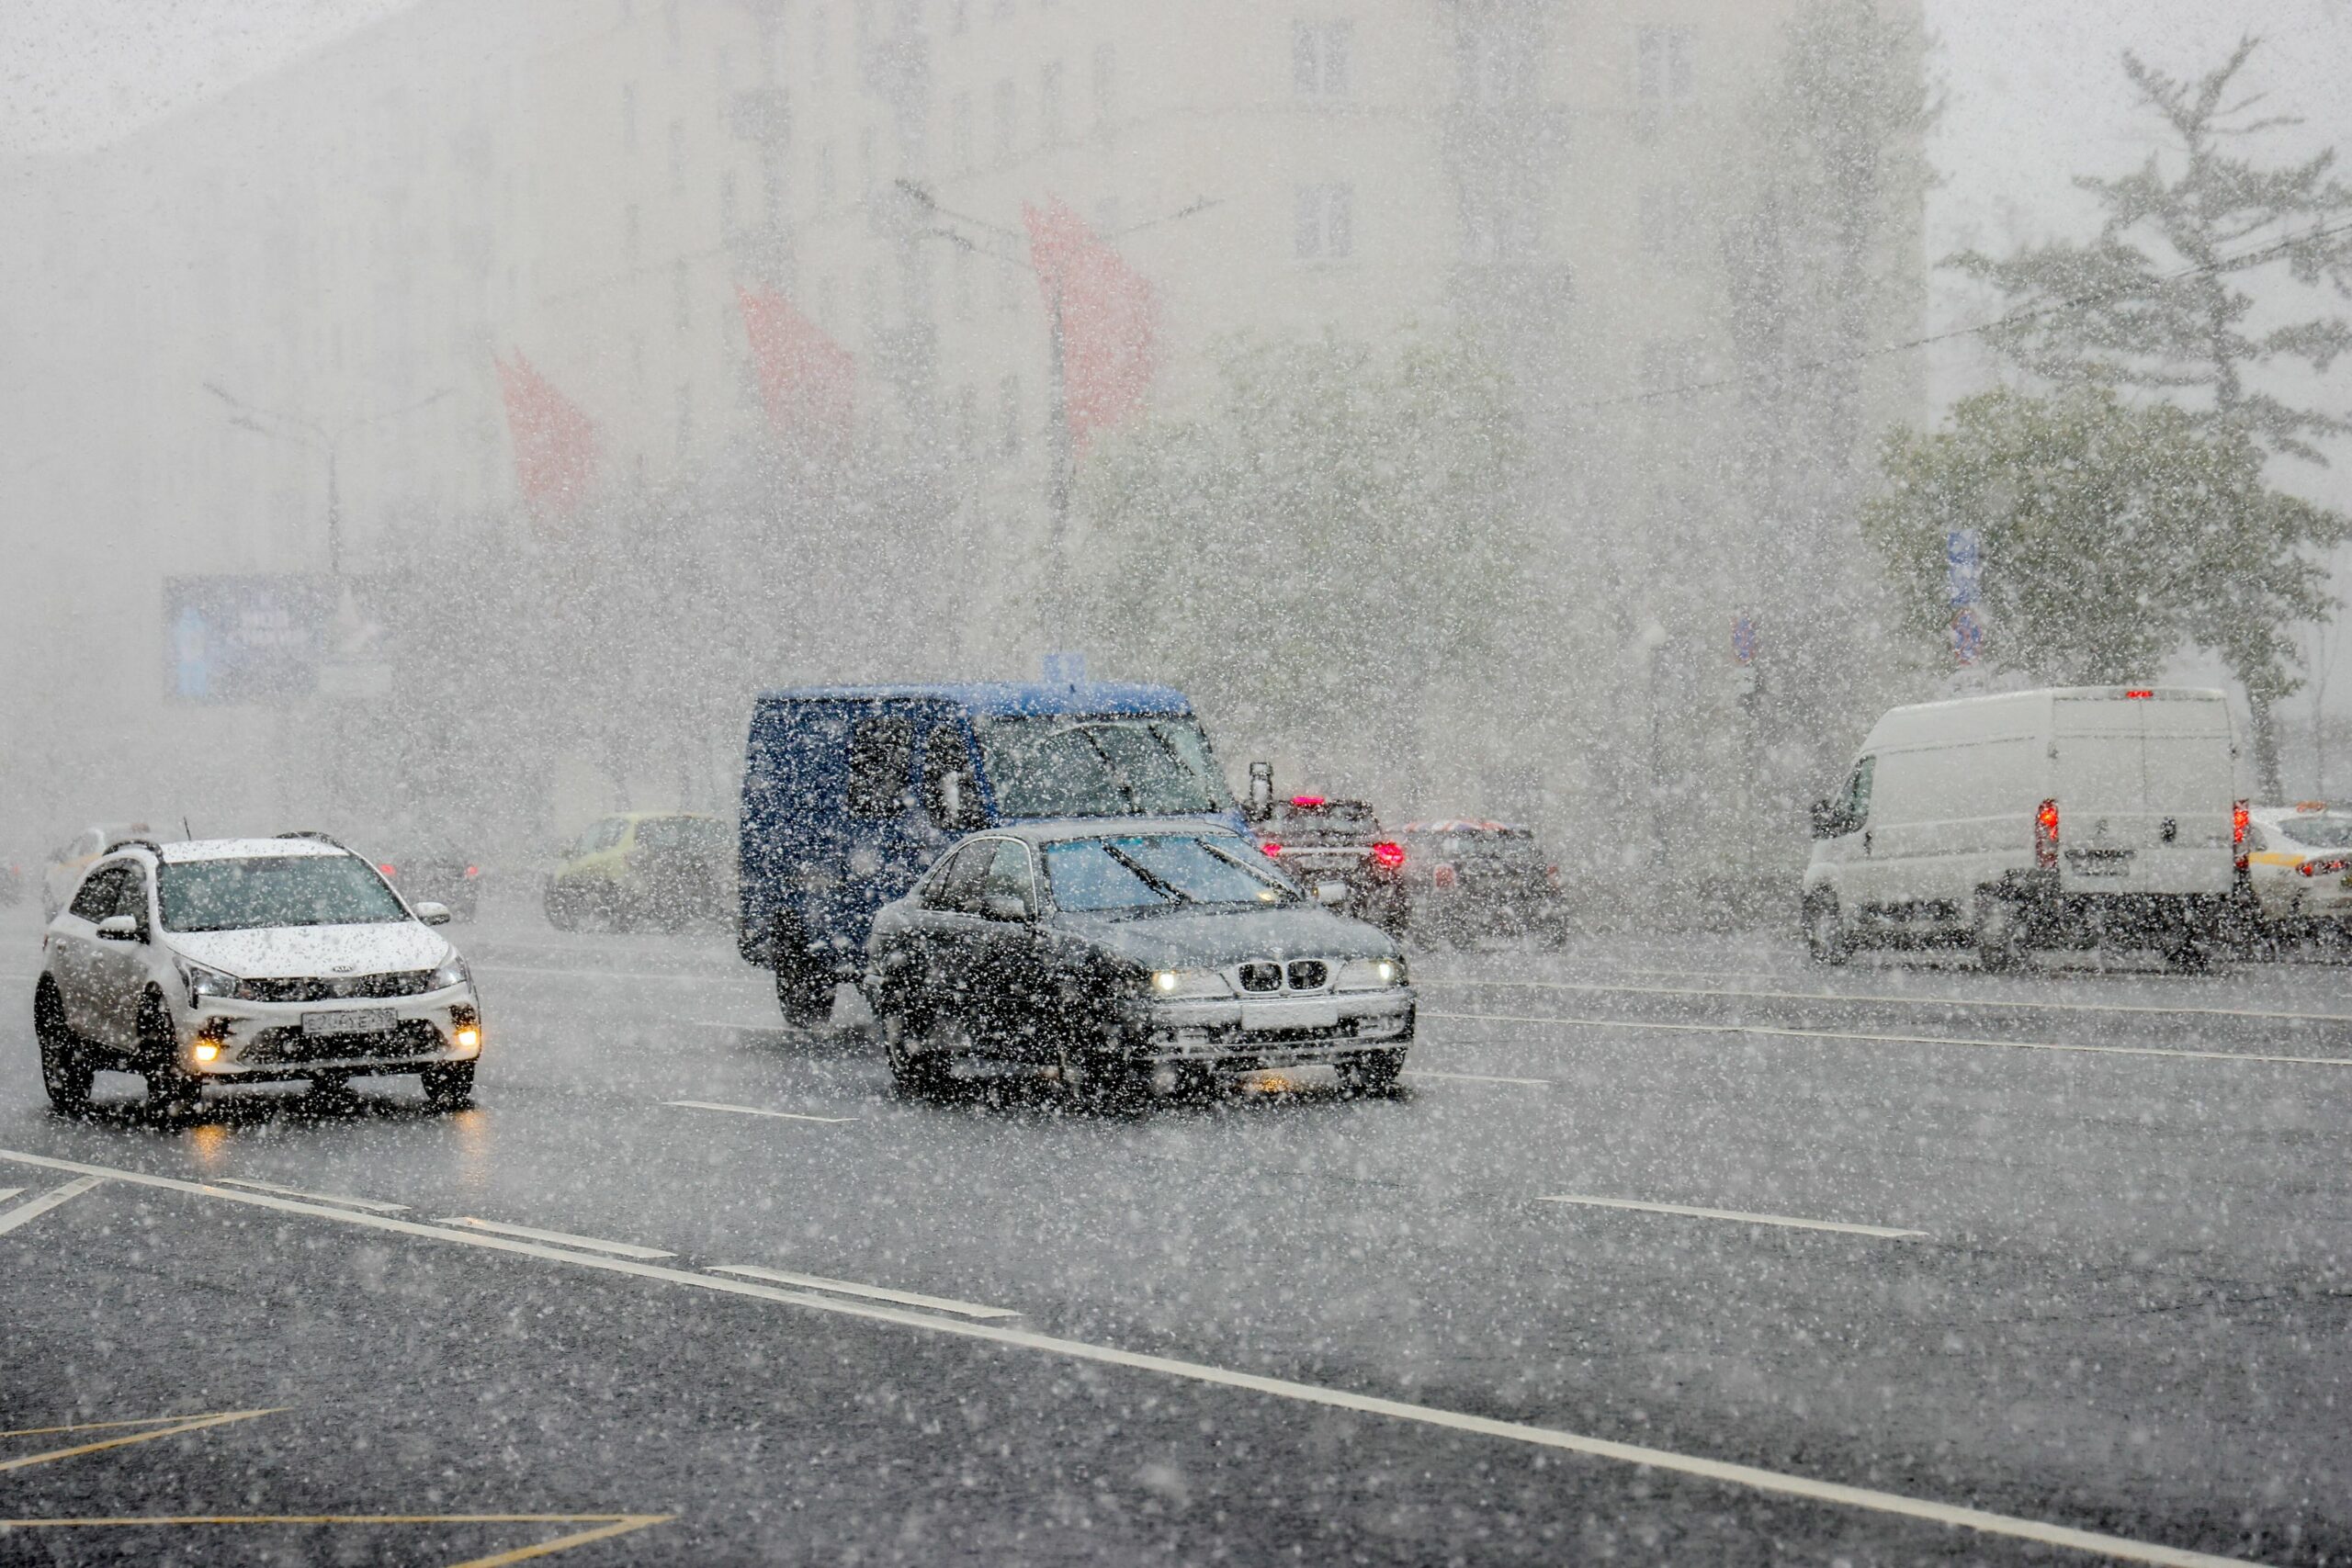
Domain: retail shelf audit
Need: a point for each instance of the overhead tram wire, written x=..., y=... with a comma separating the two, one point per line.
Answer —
x=2227, y=264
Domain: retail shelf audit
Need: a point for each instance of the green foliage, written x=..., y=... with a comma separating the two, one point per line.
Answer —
x=2112, y=536
x=1334, y=531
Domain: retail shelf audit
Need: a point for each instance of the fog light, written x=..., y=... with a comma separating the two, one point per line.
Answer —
x=206, y=1050
x=468, y=1039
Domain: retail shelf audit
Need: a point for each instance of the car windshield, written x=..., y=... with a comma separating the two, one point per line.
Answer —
x=1100, y=767
x=254, y=891
x=1156, y=871
x=2319, y=832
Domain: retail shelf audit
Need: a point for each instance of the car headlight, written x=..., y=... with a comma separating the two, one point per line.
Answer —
x=1169, y=984
x=1369, y=974
x=453, y=971
x=207, y=984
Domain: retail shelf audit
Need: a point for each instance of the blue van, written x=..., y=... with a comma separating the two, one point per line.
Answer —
x=850, y=792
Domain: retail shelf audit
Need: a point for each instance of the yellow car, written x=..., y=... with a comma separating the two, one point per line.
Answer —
x=660, y=868
x=2299, y=868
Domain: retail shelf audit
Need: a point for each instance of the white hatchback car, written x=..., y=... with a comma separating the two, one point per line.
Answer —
x=242, y=960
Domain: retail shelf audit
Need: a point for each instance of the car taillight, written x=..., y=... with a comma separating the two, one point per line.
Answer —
x=1307, y=801
x=1388, y=857
x=2324, y=867
x=2045, y=834
x=2138, y=692
x=473, y=871
x=1442, y=876
x=2237, y=832
x=1272, y=849
x=388, y=871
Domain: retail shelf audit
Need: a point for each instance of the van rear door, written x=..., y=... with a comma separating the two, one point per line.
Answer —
x=2144, y=786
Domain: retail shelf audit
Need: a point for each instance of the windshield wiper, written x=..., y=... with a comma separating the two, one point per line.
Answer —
x=1158, y=884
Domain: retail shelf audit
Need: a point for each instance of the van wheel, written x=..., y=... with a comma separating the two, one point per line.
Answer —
x=803, y=995
x=65, y=1073
x=1999, y=933
x=1825, y=933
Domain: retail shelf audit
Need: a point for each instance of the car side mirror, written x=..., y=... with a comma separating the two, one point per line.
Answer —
x=1004, y=906
x=118, y=928
x=1826, y=821
x=433, y=914
x=1330, y=894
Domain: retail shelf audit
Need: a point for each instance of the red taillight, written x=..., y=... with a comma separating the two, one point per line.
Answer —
x=1272, y=848
x=2237, y=832
x=1388, y=857
x=2045, y=834
x=2324, y=867
x=473, y=871
x=388, y=871
x=2140, y=692
x=1309, y=801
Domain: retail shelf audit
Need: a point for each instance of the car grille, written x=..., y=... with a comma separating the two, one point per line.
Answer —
x=339, y=988
x=417, y=1037
x=1263, y=977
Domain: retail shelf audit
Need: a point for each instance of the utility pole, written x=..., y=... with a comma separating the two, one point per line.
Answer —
x=318, y=438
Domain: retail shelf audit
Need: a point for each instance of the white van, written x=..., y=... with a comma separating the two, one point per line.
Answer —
x=2049, y=819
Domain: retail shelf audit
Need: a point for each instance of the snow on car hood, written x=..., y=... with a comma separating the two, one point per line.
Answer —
x=1212, y=938
x=271, y=951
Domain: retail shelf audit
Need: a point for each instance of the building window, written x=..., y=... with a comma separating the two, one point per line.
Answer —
x=1318, y=59
x=1496, y=67
x=628, y=116
x=1049, y=103
x=677, y=157
x=959, y=134
x=1004, y=119
x=727, y=202
x=1662, y=76
x=1009, y=414
x=1107, y=72
x=1326, y=222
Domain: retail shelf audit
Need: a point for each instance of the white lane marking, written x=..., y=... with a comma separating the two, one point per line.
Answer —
x=1896, y=1001
x=847, y=1288
x=34, y=1208
x=561, y=1238
x=1890, y=1039
x=1837, y=1494
x=315, y=1196
x=1688, y=1213
x=1476, y=1077
x=755, y=1110
x=8, y=1192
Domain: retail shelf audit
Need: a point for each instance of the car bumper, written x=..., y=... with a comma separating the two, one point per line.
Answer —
x=260, y=1041
x=1288, y=1031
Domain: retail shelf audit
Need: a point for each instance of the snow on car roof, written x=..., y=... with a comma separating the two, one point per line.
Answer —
x=247, y=849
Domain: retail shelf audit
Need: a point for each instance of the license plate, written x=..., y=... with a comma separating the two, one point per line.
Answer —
x=349, y=1020
x=1264, y=1016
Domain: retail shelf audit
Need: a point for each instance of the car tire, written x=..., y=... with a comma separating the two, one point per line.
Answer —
x=65, y=1073
x=1372, y=1073
x=1998, y=933
x=448, y=1086
x=559, y=912
x=913, y=1071
x=1826, y=940
x=172, y=1090
x=802, y=995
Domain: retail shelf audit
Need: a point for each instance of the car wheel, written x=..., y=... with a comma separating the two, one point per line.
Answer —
x=1825, y=933
x=170, y=1089
x=804, y=995
x=917, y=1066
x=448, y=1086
x=1372, y=1073
x=65, y=1073
x=1999, y=933
x=560, y=914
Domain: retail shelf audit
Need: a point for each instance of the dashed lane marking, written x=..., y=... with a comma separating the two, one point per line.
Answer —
x=755, y=1110
x=560, y=1238
x=1686, y=1212
x=1782, y=1033
x=1476, y=1077
x=2012, y=1003
x=34, y=1208
x=347, y=1201
x=177, y=1425
x=878, y=1292
x=1750, y=1477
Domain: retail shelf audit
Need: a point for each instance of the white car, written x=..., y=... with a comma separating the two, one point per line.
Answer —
x=2299, y=865
x=70, y=861
x=242, y=959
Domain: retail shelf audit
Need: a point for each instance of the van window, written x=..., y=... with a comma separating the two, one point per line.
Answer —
x=881, y=756
x=1857, y=807
x=945, y=754
x=1100, y=767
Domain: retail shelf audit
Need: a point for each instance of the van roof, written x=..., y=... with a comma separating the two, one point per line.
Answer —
x=2071, y=694
x=1005, y=699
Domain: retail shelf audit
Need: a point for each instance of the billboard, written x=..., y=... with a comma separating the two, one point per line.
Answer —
x=270, y=638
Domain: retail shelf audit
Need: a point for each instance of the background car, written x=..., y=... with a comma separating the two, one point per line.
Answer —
x=62, y=873
x=2298, y=872
x=1117, y=954
x=1468, y=878
x=1317, y=839
x=425, y=867
x=645, y=868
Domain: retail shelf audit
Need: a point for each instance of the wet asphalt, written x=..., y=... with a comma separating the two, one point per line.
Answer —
x=2069, y=1247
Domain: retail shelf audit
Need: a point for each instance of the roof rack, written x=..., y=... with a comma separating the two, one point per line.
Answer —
x=317, y=838
x=138, y=840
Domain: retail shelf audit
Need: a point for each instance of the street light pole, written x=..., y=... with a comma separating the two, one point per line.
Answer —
x=318, y=438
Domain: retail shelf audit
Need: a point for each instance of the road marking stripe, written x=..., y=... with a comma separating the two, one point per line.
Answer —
x=845, y=1287
x=755, y=1110
x=1476, y=1077
x=1687, y=1211
x=192, y=1424
x=319, y=1197
x=1890, y=1039
x=619, y=1524
x=33, y=1207
x=561, y=1238
x=8, y=1192
x=1836, y=1494
x=1897, y=1002
x=102, y=1426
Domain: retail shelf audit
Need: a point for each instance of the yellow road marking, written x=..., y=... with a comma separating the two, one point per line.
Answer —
x=103, y=1425
x=192, y=1424
x=604, y=1526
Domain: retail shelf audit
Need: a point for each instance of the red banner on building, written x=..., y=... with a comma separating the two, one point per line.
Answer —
x=808, y=382
x=1107, y=350
x=555, y=441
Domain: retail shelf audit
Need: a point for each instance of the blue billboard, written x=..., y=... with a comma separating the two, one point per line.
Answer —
x=244, y=638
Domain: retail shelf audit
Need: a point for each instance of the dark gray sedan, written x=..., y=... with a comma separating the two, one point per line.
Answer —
x=1131, y=956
